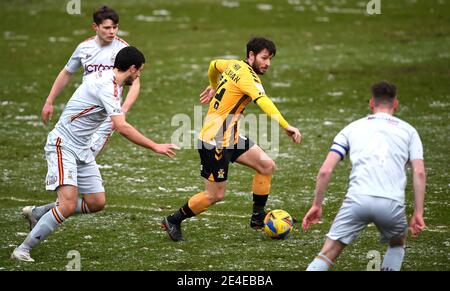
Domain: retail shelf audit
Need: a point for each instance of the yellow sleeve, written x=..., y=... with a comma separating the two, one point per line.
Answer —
x=216, y=68
x=251, y=86
x=270, y=109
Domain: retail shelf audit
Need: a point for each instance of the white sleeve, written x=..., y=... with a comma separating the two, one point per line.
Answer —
x=415, y=147
x=110, y=99
x=122, y=45
x=74, y=62
x=340, y=143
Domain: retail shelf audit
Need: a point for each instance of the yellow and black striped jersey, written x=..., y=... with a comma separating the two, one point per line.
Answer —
x=237, y=86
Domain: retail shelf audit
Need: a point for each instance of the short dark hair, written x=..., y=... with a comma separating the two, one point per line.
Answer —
x=104, y=13
x=257, y=44
x=127, y=57
x=384, y=93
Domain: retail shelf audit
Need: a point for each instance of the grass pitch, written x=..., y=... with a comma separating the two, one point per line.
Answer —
x=329, y=53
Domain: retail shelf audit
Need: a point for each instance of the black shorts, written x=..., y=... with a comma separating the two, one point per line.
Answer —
x=214, y=162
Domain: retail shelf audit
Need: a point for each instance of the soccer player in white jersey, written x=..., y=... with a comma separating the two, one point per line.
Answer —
x=72, y=168
x=380, y=147
x=94, y=54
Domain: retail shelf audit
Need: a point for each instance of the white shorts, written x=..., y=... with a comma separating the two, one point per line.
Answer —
x=355, y=214
x=66, y=167
x=101, y=137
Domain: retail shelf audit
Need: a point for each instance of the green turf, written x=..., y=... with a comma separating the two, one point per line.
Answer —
x=329, y=53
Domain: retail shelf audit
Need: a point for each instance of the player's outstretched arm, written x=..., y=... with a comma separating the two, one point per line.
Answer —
x=61, y=81
x=133, y=135
x=417, y=223
x=132, y=95
x=271, y=110
x=314, y=214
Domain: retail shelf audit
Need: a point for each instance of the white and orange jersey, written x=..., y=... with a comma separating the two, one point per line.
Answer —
x=97, y=98
x=93, y=57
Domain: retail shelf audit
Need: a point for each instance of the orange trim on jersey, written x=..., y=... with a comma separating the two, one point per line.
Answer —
x=224, y=128
x=60, y=161
x=55, y=214
x=83, y=112
x=236, y=117
x=104, y=144
x=121, y=40
x=236, y=133
x=115, y=87
x=92, y=37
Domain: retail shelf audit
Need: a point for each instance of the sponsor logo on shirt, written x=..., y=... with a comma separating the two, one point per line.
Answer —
x=389, y=120
x=95, y=68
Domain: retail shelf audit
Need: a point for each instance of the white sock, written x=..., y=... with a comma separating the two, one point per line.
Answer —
x=82, y=207
x=393, y=259
x=46, y=225
x=39, y=211
x=320, y=263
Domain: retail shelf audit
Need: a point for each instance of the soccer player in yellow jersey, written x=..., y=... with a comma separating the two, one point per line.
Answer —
x=233, y=85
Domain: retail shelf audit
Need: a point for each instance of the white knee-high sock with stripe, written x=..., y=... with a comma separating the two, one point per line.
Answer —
x=393, y=259
x=46, y=225
x=320, y=263
x=82, y=207
x=39, y=211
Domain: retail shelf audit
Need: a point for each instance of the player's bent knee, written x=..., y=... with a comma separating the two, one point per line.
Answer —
x=272, y=167
x=96, y=207
x=216, y=195
x=97, y=204
x=67, y=208
x=219, y=196
x=268, y=168
x=397, y=241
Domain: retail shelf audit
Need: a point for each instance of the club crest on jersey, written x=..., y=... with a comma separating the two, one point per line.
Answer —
x=260, y=88
x=70, y=174
x=221, y=174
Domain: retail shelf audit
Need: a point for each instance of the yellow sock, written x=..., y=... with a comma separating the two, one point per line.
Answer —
x=261, y=184
x=199, y=203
